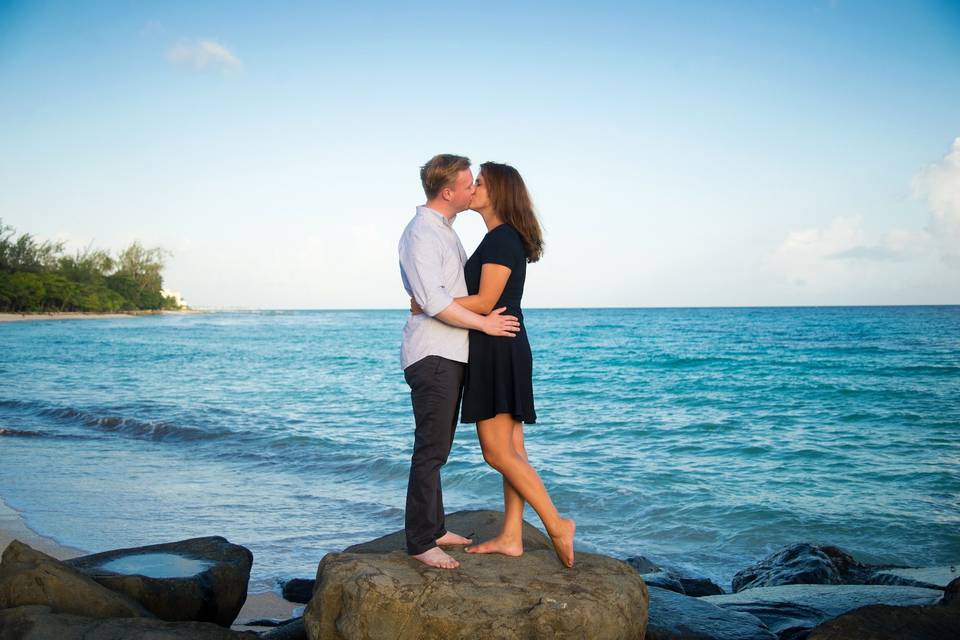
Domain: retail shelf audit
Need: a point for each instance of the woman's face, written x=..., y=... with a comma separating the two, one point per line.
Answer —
x=480, y=200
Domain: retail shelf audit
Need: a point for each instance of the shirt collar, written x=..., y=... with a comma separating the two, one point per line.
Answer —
x=433, y=214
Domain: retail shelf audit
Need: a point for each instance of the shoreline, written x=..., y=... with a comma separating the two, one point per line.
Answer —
x=13, y=526
x=89, y=315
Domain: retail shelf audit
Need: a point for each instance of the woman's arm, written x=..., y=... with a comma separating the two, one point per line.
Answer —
x=493, y=279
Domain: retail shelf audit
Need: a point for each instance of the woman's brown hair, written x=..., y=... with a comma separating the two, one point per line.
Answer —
x=510, y=199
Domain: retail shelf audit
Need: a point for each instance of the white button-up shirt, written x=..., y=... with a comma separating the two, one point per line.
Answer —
x=431, y=267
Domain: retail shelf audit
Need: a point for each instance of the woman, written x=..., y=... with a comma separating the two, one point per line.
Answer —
x=498, y=389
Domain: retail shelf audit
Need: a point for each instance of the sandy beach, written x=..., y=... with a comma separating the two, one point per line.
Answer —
x=13, y=527
x=85, y=315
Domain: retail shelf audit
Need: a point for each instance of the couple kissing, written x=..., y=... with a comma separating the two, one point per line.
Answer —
x=465, y=341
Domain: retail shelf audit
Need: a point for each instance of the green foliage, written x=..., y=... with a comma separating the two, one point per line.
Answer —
x=38, y=276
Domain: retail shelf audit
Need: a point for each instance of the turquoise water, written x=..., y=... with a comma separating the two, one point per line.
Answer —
x=702, y=437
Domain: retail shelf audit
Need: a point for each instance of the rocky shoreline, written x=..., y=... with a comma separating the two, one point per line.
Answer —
x=197, y=588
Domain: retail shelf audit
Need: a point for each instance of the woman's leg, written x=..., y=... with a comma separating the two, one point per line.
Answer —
x=510, y=539
x=496, y=440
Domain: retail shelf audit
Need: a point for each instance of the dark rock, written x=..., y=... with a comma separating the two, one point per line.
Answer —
x=267, y=622
x=29, y=577
x=791, y=610
x=674, y=616
x=201, y=579
x=663, y=580
x=802, y=564
x=298, y=590
x=478, y=525
x=41, y=623
x=367, y=595
x=883, y=622
x=951, y=594
x=643, y=565
x=926, y=577
x=698, y=587
x=292, y=630
x=673, y=578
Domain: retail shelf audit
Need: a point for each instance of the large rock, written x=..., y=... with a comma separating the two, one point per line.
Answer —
x=803, y=564
x=883, y=622
x=367, y=595
x=29, y=577
x=479, y=525
x=674, y=616
x=41, y=623
x=791, y=610
x=202, y=579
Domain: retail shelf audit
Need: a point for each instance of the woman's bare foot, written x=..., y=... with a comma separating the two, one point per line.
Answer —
x=508, y=546
x=562, y=540
x=438, y=558
x=452, y=538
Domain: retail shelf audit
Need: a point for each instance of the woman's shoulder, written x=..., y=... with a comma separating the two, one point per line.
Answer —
x=505, y=232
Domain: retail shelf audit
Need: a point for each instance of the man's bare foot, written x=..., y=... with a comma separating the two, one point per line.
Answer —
x=508, y=546
x=562, y=540
x=438, y=558
x=452, y=538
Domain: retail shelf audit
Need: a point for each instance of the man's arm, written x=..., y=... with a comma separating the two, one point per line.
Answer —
x=420, y=260
x=493, y=324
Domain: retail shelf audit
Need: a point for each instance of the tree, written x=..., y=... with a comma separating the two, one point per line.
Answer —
x=24, y=290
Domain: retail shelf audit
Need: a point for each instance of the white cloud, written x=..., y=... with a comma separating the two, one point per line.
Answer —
x=845, y=255
x=204, y=54
x=939, y=185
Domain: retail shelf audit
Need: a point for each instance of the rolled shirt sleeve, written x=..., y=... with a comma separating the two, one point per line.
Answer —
x=421, y=259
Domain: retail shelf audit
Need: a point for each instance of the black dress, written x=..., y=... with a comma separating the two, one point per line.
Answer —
x=499, y=375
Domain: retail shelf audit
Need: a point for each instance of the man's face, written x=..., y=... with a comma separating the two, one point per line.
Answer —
x=462, y=191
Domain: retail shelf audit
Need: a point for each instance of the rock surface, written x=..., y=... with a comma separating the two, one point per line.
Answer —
x=292, y=630
x=298, y=590
x=674, y=616
x=803, y=564
x=377, y=595
x=791, y=609
x=478, y=525
x=29, y=577
x=41, y=623
x=212, y=589
x=882, y=622
x=927, y=577
x=673, y=578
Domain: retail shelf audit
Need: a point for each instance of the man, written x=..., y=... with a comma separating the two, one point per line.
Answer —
x=435, y=346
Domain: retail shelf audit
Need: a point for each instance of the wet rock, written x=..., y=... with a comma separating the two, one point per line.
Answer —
x=883, y=622
x=927, y=577
x=373, y=595
x=791, y=610
x=674, y=616
x=803, y=564
x=673, y=578
x=201, y=579
x=292, y=630
x=478, y=525
x=298, y=590
x=951, y=594
x=29, y=577
x=41, y=623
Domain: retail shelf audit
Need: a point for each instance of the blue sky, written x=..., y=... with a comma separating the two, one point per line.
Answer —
x=679, y=153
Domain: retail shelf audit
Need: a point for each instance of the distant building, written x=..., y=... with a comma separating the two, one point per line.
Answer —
x=175, y=295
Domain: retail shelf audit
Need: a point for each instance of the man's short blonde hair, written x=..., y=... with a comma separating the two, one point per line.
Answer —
x=441, y=172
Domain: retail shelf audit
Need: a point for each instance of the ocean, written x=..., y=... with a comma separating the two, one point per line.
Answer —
x=706, y=438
